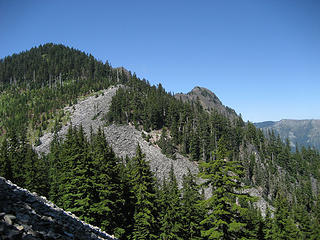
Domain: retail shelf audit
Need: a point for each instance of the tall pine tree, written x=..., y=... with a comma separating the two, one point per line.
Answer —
x=171, y=216
x=191, y=211
x=144, y=189
x=225, y=218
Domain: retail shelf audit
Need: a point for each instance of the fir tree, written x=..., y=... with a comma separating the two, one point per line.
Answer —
x=268, y=223
x=191, y=211
x=171, y=217
x=316, y=220
x=54, y=168
x=107, y=206
x=283, y=224
x=5, y=170
x=36, y=172
x=303, y=220
x=144, y=189
x=225, y=218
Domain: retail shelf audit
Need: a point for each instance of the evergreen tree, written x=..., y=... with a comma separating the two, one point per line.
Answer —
x=267, y=230
x=255, y=224
x=128, y=197
x=283, y=224
x=225, y=218
x=79, y=188
x=191, y=211
x=315, y=232
x=54, y=168
x=171, y=226
x=107, y=207
x=36, y=172
x=195, y=147
x=144, y=190
x=5, y=169
x=303, y=220
x=165, y=144
x=15, y=155
x=74, y=175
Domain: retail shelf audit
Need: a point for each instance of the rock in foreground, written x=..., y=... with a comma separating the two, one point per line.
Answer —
x=24, y=215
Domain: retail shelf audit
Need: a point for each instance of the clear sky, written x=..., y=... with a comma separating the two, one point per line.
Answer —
x=261, y=58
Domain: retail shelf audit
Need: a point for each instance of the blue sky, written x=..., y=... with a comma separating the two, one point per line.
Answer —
x=261, y=58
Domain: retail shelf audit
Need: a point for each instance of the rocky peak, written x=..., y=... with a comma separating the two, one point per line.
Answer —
x=205, y=94
x=208, y=100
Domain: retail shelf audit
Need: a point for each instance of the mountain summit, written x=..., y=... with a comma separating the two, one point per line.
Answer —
x=208, y=100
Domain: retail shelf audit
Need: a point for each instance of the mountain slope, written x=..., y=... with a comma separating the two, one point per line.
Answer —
x=124, y=139
x=301, y=132
x=179, y=131
x=88, y=113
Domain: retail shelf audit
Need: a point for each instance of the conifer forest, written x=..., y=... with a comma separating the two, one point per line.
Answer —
x=121, y=195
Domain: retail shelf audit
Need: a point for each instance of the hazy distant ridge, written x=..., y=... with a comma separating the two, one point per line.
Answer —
x=303, y=132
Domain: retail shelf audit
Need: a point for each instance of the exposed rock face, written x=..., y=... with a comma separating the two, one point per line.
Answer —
x=124, y=140
x=302, y=132
x=24, y=215
x=87, y=113
x=208, y=100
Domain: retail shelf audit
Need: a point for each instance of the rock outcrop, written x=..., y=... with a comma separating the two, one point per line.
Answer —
x=125, y=138
x=88, y=113
x=208, y=100
x=25, y=215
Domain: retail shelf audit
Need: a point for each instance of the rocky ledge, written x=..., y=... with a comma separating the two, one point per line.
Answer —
x=25, y=215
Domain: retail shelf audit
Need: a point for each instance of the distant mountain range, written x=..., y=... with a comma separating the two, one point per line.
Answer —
x=301, y=132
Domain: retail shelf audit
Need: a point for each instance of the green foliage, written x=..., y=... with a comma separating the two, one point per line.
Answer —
x=225, y=217
x=35, y=84
x=84, y=175
x=191, y=211
x=20, y=164
x=283, y=225
x=171, y=215
x=166, y=145
x=144, y=189
x=85, y=179
x=268, y=223
x=186, y=127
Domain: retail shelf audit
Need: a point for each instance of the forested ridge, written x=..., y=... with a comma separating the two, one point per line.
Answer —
x=36, y=84
x=83, y=175
x=188, y=129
